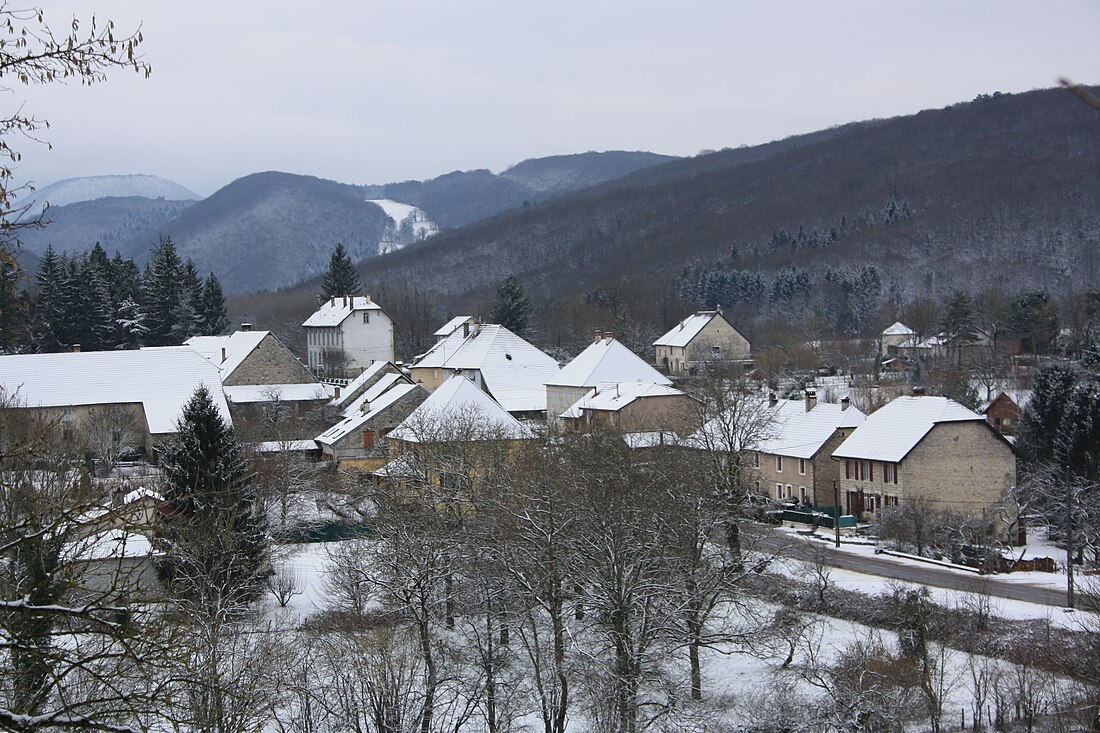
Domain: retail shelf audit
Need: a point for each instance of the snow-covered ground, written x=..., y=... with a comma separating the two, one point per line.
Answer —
x=409, y=224
x=737, y=680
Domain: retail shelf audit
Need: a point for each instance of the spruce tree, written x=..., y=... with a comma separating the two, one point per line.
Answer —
x=48, y=303
x=215, y=318
x=958, y=320
x=511, y=308
x=1042, y=419
x=161, y=294
x=341, y=278
x=217, y=546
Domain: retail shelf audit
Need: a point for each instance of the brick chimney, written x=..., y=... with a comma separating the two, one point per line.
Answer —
x=337, y=395
x=845, y=403
x=223, y=354
x=811, y=399
x=608, y=336
x=76, y=348
x=246, y=326
x=598, y=337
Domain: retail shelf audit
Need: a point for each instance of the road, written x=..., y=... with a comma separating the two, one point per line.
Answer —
x=811, y=550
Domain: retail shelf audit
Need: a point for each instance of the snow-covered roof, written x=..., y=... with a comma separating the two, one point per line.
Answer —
x=459, y=410
x=899, y=329
x=110, y=544
x=248, y=393
x=798, y=433
x=614, y=397
x=353, y=387
x=650, y=439
x=162, y=378
x=606, y=360
x=452, y=325
x=363, y=402
x=334, y=310
x=682, y=333
x=889, y=433
x=513, y=371
x=403, y=466
x=236, y=347
x=282, y=446
x=140, y=493
x=379, y=405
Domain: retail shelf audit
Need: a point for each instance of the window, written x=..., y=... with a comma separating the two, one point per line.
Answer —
x=366, y=317
x=756, y=460
x=802, y=466
x=871, y=470
x=779, y=492
x=716, y=350
x=779, y=464
x=756, y=486
x=847, y=468
x=801, y=494
x=790, y=491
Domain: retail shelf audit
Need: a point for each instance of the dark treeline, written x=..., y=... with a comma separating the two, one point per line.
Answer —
x=106, y=303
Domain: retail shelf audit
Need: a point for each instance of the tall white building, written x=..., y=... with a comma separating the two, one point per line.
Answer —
x=347, y=334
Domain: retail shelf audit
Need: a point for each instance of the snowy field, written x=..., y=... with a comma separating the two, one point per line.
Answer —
x=743, y=683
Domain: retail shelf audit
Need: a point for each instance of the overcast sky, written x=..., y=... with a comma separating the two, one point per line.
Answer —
x=368, y=92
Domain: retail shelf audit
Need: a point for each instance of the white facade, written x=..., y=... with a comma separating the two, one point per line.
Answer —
x=348, y=334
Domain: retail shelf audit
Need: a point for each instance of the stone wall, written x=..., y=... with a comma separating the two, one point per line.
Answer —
x=270, y=363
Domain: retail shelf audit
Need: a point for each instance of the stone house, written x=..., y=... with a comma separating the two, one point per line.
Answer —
x=604, y=361
x=359, y=440
x=633, y=407
x=792, y=459
x=894, y=336
x=79, y=390
x=248, y=357
x=347, y=334
x=506, y=367
x=930, y=449
x=705, y=337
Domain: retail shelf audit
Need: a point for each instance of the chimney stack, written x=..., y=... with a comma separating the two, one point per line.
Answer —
x=246, y=326
x=466, y=329
x=919, y=391
x=369, y=301
x=609, y=336
x=317, y=300
x=772, y=399
x=811, y=399
x=598, y=337
x=845, y=403
x=345, y=301
x=223, y=354
x=337, y=395
x=76, y=348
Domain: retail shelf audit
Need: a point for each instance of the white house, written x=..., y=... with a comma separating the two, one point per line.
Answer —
x=347, y=334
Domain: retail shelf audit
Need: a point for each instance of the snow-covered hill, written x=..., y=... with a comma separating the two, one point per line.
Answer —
x=408, y=224
x=89, y=188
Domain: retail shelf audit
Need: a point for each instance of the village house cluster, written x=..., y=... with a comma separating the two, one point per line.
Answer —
x=481, y=383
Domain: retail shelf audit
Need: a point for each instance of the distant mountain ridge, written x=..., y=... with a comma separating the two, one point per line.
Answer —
x=89, y=188
x=462, y=197
x=270, y=230
x=997, y=193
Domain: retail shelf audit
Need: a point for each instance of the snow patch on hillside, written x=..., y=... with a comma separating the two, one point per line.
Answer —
x=407, y=224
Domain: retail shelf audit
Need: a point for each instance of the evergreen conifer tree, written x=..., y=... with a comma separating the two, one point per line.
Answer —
x=958, y=320
x=217, y=547
x=48, y=304
x=97, y=307
x=1043, y=417
x=161, y=294
x=342, y=277
x=511, y=308
x=215, y=318
x=13, y=305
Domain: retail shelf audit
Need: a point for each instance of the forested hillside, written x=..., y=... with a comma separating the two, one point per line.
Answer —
x=114, y=222
x=997, y=193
